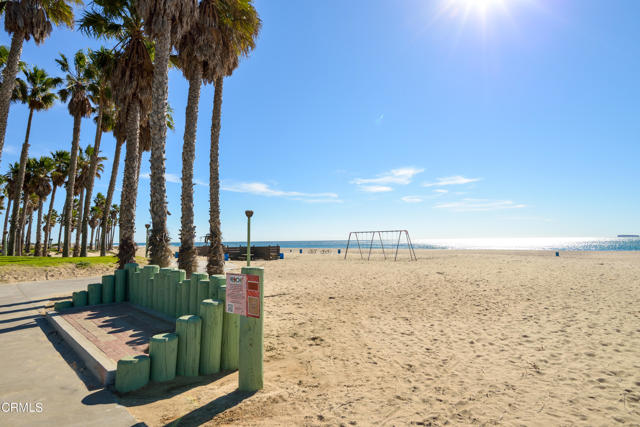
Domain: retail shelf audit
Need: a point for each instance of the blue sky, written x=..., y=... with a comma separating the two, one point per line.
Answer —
x=523, y=120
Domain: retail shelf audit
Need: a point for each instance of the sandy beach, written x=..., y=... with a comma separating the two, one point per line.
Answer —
x=458, y=337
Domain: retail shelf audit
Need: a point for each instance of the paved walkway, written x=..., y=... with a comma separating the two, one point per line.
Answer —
x=37, y=368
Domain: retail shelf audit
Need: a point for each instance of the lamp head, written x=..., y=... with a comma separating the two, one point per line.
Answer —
x=249, y=214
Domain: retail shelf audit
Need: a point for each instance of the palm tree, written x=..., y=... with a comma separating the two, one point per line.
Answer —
x=113, y=216
x=131, y=85
x=100, y=90
x=61, y=160
x=37, y=93
x=41, y=187
x=75, y=89
x=50, y=221
x=11, y=189
x=235, y=35
x=119, y=132
x=25, y=19
x=78, y=190
x=96, y=214
x=165, y=22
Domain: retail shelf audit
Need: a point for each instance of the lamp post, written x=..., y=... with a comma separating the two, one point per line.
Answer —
x=146, y=245
x=249, y=214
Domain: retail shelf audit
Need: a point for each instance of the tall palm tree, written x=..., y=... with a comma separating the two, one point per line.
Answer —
x=87, y=172
x=100, y=89
x=131, y=85
x=61, y=160
x=37, y=92
x=113, y=216
x=76, y=87
x=50, y=221
x=164, y=22
x=11, y=189
x=237, y=30
x=41, y=186
x=95, y=215
x=82, y=173
x=119, y=132
x=25, y=19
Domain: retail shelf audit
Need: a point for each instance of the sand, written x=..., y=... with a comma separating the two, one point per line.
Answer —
x=458, y=337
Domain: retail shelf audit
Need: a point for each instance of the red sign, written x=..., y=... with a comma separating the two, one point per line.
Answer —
x=253, y=296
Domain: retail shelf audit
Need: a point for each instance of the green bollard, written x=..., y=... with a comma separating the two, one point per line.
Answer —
x=120, y=293
x=132, y=373
x=211, y=343
x=250, y=368
x=189, y=331
x=163, y=351
x=149, y=271
x=134, y=287
x=184, y=298
x=161, y=289
x=80, y=298
x=230, y=335
x=177, y=276
x=130, y=268
x=62, y=305
x=203, y=291
x=215, y=282
x=95, y=293
x=194, y=303
x=108, y=288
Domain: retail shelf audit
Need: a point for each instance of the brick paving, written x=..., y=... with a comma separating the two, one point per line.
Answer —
x=118, y=330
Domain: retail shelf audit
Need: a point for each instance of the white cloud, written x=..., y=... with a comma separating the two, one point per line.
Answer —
x=441, y=191
x=402, y=176
x=411, y=199
x=375, y=188
x=479, y=205
x=262, y=189
x=451, y=180
x=173, y=178
x=10, y=149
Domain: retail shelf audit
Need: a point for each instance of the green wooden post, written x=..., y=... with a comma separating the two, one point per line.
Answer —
x=182, y=293
x=130, y=268
x=177, y=276
x=80, y=298
x=132, y=373
x=249, y=214
x=120, y=293
x=211, y=343
x=134, y=287
x=108, y=288
x=95, y=293
x=62, y=305
x=189, y=331
x=163, y=351
x=194, y=303
x=161, y=289
x=215, y=281
x=250, y=372
x=230, y=336
x=203, y=291
x=149, y=271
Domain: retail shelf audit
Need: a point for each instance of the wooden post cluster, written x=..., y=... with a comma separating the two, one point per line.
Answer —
x=250, y=372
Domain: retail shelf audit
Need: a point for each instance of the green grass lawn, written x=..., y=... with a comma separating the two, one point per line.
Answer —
x=29, y=261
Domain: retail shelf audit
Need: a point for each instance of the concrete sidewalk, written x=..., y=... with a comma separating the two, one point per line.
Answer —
x=39, y=368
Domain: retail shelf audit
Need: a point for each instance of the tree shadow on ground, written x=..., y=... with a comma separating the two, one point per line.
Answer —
x=207, y=412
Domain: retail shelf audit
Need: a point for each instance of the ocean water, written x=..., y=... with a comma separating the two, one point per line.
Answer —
x=511, y=243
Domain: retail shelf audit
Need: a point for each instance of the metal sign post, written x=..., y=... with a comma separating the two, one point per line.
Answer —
x=249, y=214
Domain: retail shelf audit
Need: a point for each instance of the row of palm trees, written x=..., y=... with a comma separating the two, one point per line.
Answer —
x=125, y=87
x=42, y=178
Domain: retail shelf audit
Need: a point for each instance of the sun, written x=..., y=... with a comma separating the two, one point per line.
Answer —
x=482, y=9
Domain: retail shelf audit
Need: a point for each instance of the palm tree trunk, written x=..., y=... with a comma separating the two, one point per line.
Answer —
x=107, y=204
x=76, y=247
x=127, y=246
x=48, y=231
x=187, y=254
x=93, y=230
x=8, y=82
x=13, y=230
x=4, y=229
x=159, y=238
x=215, y=264
x=61, y=227
x=27, y=237
x=92, y=176
x=21, y=223
x=38, y=248
x=73, y=164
